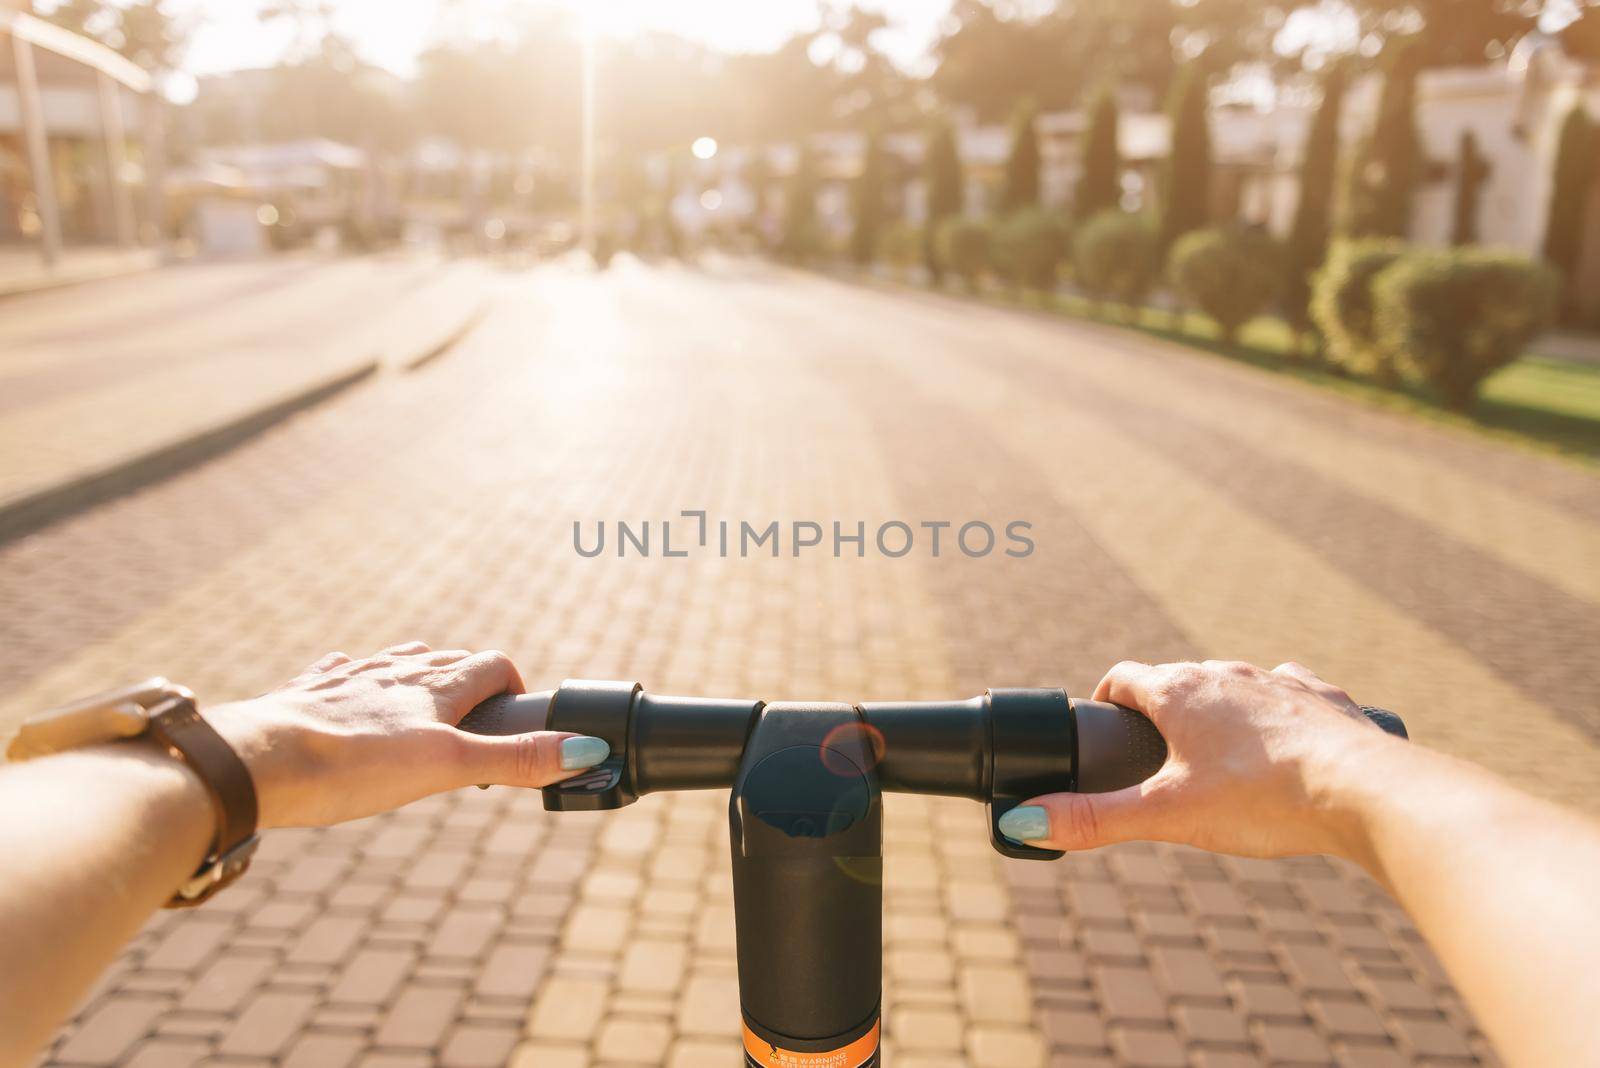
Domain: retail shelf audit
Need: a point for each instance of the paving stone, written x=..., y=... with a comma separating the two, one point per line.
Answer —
x=634, y=1041
x=567, y=1008
x=1187, y=973
x=652, y=964
x=168, y=1053
x=992, y=994
x=111, y=1029
x=513, y=970
x=995, y=1046
x=373, y=975
x=267, y=1024
x=478, y=1046
x=1291, y=1042
x=226, y=982
x=1148, y=1048
x=419, y=1016
x=317, y=1050
x=1127, y=993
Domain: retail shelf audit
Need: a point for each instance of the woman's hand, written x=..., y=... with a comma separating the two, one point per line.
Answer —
x=349, y=738
x=1254, y=764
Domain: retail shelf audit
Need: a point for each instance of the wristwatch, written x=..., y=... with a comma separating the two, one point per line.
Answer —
x=166, y=712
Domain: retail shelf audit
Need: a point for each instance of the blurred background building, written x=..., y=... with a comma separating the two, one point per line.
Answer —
x=476, y=144
x=81, y=152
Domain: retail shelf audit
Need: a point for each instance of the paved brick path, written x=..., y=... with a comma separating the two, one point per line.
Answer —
x=1181, y=507
x=93, y=374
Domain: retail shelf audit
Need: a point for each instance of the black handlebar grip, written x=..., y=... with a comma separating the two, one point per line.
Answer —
x=1391, y=723
x=509, y=713
x=1118, y=747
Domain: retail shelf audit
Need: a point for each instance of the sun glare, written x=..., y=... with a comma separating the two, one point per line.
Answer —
x=229, y=33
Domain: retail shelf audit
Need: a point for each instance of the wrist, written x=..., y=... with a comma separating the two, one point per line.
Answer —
x=247, y=727
x=1342, y=784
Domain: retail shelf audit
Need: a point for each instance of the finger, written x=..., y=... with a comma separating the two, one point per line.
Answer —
x=1137, y=685
x=536, y=759
x=475, y=678
x=326, y=663
x=444, y=657
x=1315, y=683
x=406, y=649
x=1087, y=821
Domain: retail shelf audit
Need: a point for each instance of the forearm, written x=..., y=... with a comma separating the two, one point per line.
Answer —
x=108, y=834
x=1500, y=884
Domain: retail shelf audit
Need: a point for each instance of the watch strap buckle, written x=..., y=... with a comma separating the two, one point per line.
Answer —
x=215, y=875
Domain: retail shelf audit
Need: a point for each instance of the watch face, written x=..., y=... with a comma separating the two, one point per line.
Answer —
x=102, y=718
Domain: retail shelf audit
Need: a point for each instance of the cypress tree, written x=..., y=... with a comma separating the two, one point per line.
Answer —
x=1313, y=216
x=1382, y=177
x=1186, y=176
x=1022, y=168
x=867, y=201
x=800, y=207
x=1569, y=197
x=1472, y=172
x=945, y=185
x=1100, y=185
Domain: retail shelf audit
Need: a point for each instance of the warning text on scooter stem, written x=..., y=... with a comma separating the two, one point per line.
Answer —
x=692, y=533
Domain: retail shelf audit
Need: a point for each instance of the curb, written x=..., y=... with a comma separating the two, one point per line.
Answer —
x=427, y=355
x=61, y=279
x=32, y=510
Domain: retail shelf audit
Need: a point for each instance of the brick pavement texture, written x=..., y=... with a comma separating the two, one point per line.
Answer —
x=92, y=375
x=1181, y=508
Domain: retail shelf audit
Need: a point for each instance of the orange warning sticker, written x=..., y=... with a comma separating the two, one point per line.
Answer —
x=854, y=1055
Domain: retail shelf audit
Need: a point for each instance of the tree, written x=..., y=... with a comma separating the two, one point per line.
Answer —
x=1569, y=197
x=988, y=61
x=1022, y=166
x=1443, y=32
x=1381, y=179
x=1186, y=176
x=1100, y=186
x=800, y=238
x=1313, y=216
x=141, y=31
x=1581, y=38
x=1472, y=173
x=867, y=196
x=944, y=181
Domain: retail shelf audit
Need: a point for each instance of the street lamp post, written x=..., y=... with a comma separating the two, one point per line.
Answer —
x=586, y=197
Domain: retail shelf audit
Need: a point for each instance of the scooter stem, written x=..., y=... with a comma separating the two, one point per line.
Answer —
x=806, y=829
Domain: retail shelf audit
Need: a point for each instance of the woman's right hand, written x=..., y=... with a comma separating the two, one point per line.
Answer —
x=1255, y=761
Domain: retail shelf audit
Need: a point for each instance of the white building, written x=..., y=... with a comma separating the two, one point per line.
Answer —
x=1514, y=109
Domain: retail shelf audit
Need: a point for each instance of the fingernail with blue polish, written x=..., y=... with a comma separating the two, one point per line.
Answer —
x=583, y=751
x=1025, y=823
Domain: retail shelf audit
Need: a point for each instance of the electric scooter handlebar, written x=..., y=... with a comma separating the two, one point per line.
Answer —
x=805, y=817
x=1000, y=748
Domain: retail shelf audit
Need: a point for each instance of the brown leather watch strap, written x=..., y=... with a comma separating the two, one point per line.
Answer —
x=177, y=724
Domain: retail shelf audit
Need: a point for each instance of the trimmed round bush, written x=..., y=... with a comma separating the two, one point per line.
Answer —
x=1231, y=273
x=1341, y=306
x=900, y=246
x=1029, y=246
x=1116, y=255
x=964, y=249
x=1452, y=317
